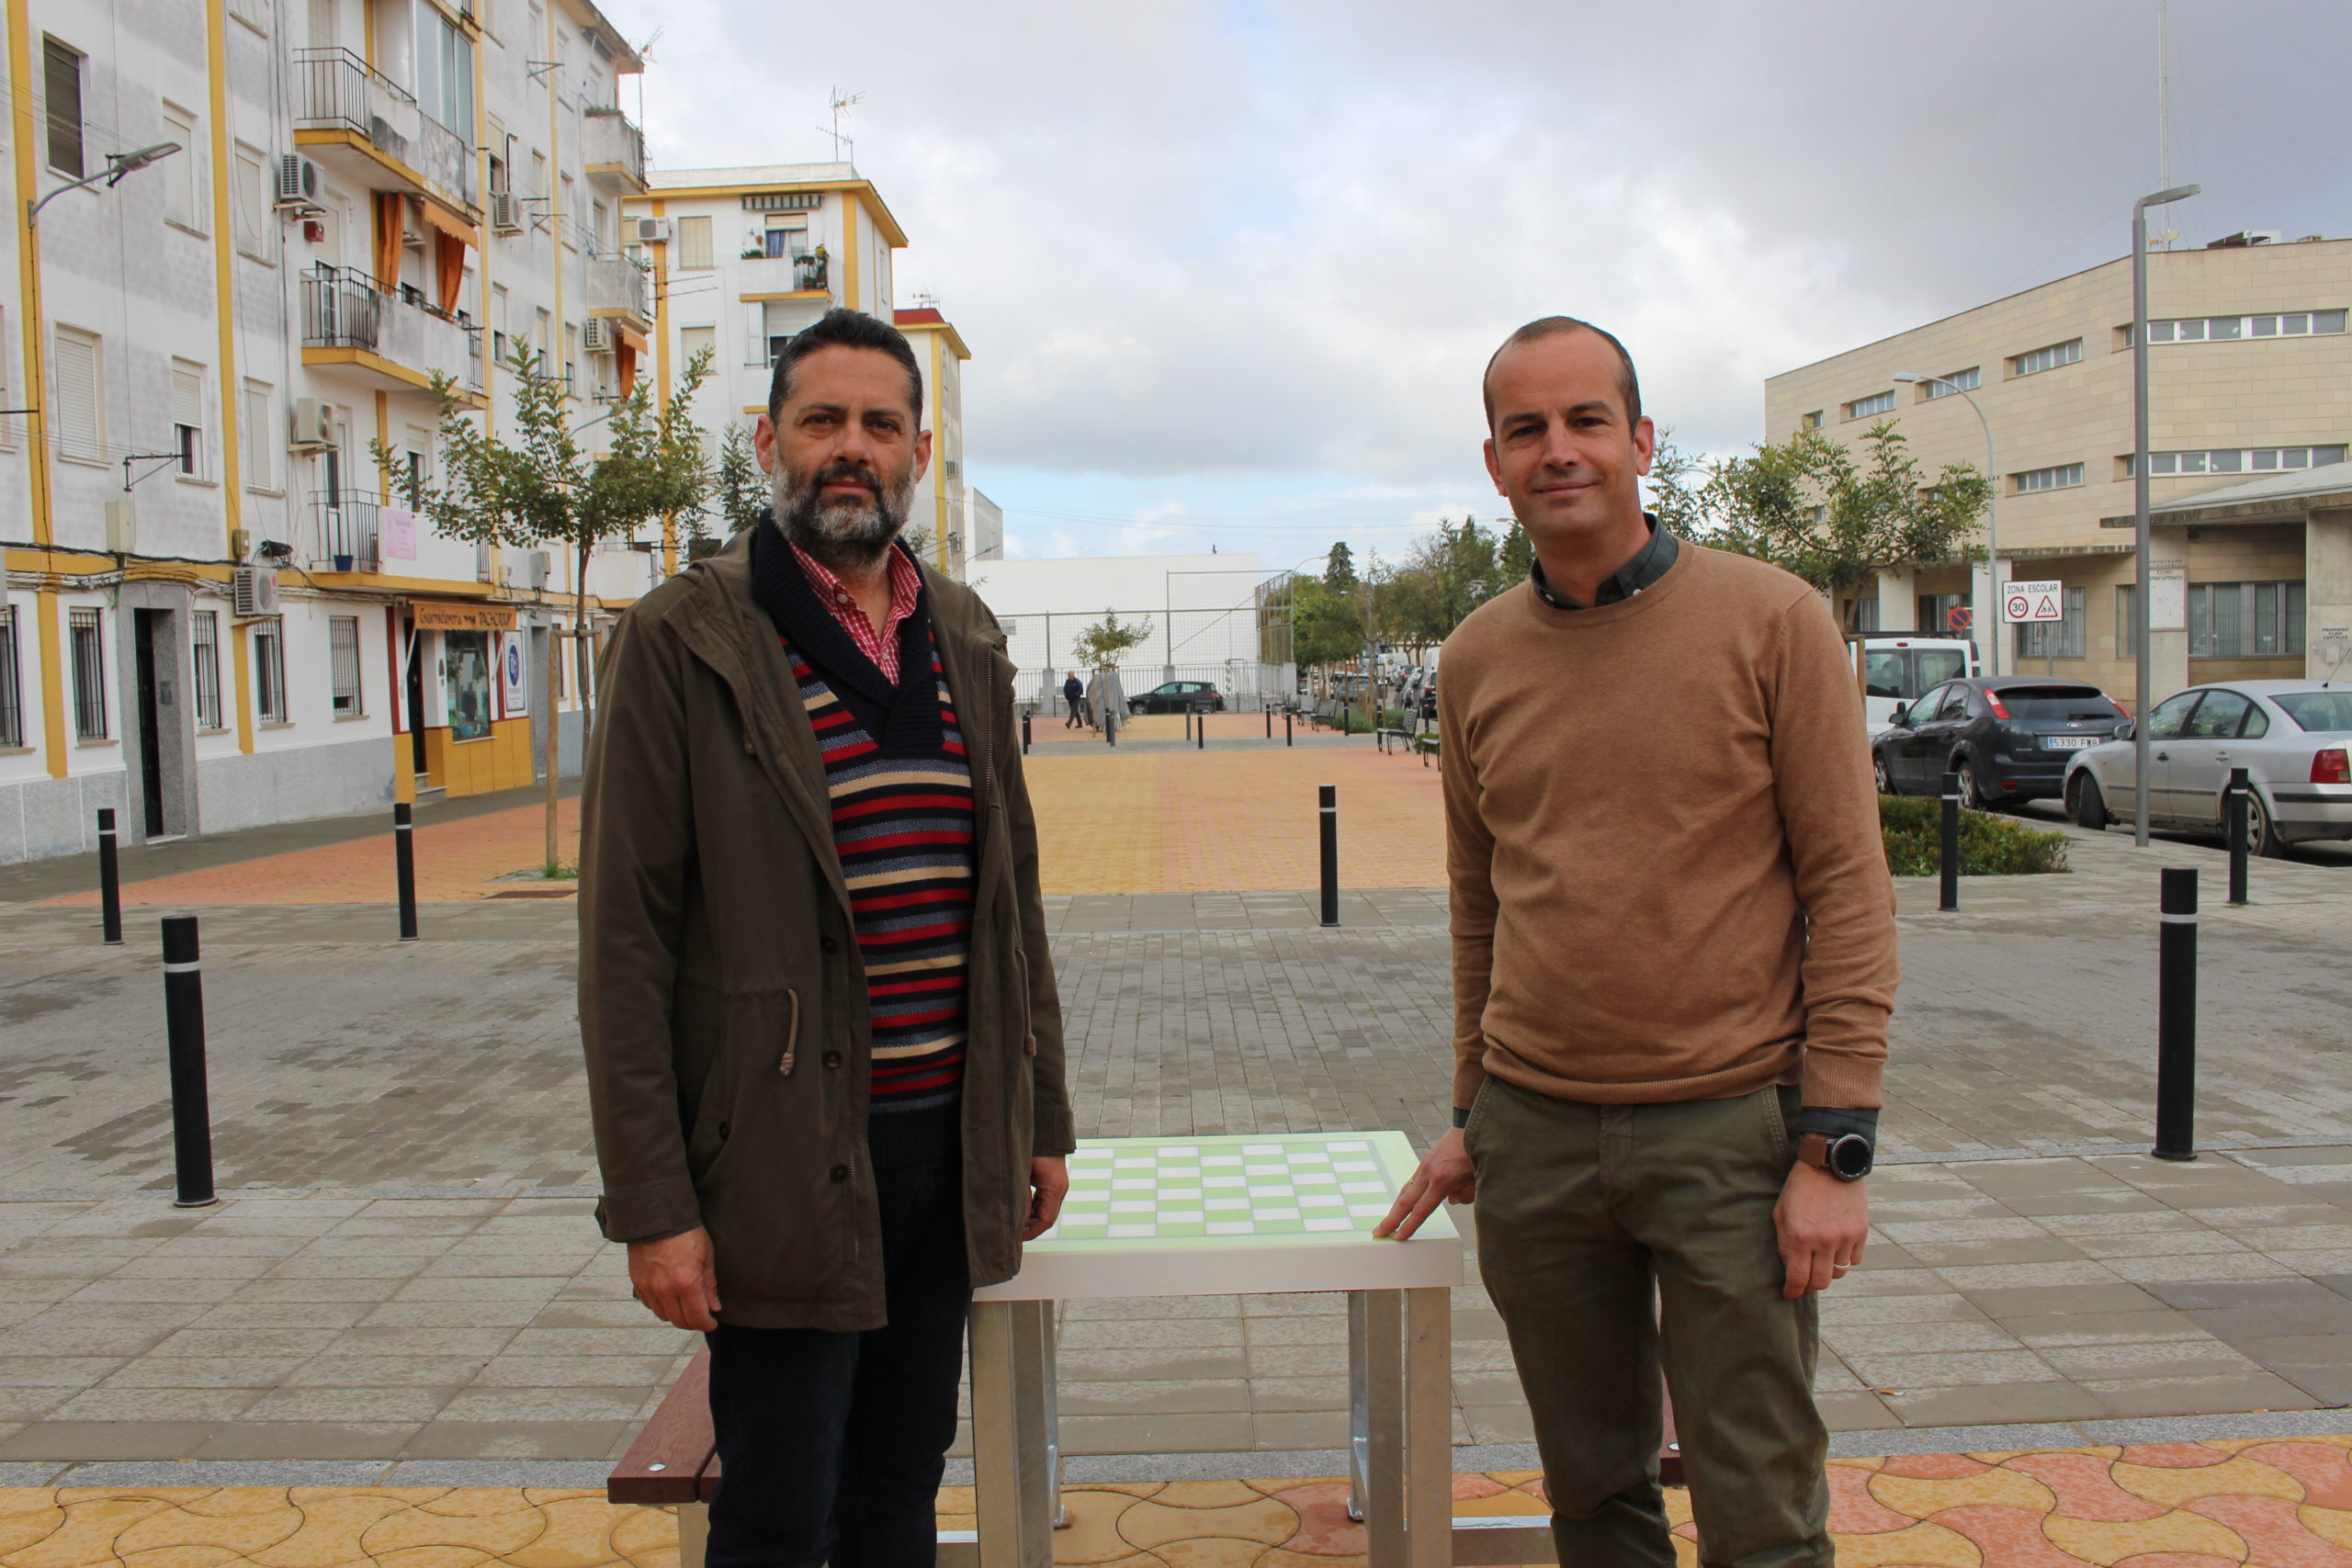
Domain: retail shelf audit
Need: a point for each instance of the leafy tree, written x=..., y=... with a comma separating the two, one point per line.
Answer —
x=1098, y=647
x=1814, y=507
x=1675, y=480
x=1515, y=556
x=1339, y=568
x=739, y=491
x=1326, y=622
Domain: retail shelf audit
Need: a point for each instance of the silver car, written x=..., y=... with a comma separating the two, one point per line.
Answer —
x=2291, y=737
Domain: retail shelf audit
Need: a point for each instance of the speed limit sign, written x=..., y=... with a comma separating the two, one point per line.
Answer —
x=2033, y=602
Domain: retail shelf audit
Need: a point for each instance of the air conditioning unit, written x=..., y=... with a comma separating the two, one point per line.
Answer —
x=504, y=215
x=300, y=183
x=256, y=590
x=313, y=425
x=596, y=336
x=534, y=568
x=122, y=527
x=652, y=231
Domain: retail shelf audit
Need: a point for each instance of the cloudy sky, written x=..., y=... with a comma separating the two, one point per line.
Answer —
x=1229, y=272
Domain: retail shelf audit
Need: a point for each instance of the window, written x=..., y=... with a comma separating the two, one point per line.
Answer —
x=2240, y=460
x=1935, y=613
x=204, y=661
x=694, y=340
x=183, y=175
x=12, y=695
x=2062, y=476
x=693, y=245
x=2048, y=358
x=81, y=406
x=62, y=77
x=2318, y=711
x=1966, y=380
x=269, y=672
x=2127, y=622
x=8, y=423
x=1877, y=402
x=2217, y=717
x=2226, y=329
x=187, y=417
x=1811, y=420
x=2056, y=639
x=260, y=442
x=89, y=676
x=571, y=358
x=2164, y=722
x=2244, y=620
x=1866, y=614
x=252, y=190
x=342, y=658
x=445, y=72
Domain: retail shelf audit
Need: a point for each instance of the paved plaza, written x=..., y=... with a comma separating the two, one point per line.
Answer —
x=404, y=1274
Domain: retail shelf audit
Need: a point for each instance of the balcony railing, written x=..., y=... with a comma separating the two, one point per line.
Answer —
x=780, y=274
x=345, y=521
x=609, y=140
x=343, y=307
x=335, y=88
x=617, y=283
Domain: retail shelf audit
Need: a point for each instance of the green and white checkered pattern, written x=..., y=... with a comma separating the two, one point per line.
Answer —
x=1145, y=1190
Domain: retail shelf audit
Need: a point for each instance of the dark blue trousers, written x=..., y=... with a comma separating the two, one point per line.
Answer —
x=831, y=1446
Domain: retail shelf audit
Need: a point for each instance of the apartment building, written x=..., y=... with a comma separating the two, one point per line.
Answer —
x=215, y=615
x=744, y=258
x=2251, y=375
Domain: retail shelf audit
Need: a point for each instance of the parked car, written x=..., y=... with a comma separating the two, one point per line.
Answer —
x=2009, y=738
x=2293, y=738
x=1178, y=696
x=1900, y=670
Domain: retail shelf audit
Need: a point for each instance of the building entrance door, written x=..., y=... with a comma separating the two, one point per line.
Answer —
x=415, y=645
x=151, y=721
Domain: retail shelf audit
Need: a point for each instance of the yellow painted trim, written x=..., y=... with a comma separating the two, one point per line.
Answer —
x=241, y=660
x=661, y=371
x=225, y=288
x=31, y=320
x=368, y=359
x=621, y=313
x=849, y=248
x=52, y=680
x=794, y=294
x=555, y=198
x=482, y=250
x=417, y=185
x=412, y=587
x=955, y=338
x=879, y=211
x=368, y=25
x=938, y=469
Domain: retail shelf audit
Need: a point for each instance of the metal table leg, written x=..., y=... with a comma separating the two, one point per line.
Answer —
x=1057, y=1461
x=1358, y=1407
x=1012, y=1470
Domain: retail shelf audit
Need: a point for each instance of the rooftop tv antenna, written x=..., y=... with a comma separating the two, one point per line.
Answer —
x=842, y=104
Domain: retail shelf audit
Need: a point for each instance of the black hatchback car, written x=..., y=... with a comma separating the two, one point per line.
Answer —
x=1178, y=696
x=2009, y=737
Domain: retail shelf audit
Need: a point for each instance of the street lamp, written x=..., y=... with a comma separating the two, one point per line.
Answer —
x=1992, y=508
x=2141, y=575
x=118, y=165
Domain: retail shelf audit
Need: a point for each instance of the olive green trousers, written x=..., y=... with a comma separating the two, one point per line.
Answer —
x=1616, y=1237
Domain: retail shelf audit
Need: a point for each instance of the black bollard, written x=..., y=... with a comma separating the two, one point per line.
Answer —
x=1951, y=843
x=1327, y=798
x=404, y=864
x=109, y=881
x=183, y=1026
x=1024, y=735
x=1201, y=732
x=1111, y=725
x=1269, y=724
x=1286, y=739
x=2176, y=1017
x=2235, y=808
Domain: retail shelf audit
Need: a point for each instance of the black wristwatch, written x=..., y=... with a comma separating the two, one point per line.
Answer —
x=1847, y=1156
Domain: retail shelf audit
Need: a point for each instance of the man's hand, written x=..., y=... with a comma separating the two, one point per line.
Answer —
x=1823, y=1223
x=1445, y=1176
x=1048, y=1185
x=675, y=1279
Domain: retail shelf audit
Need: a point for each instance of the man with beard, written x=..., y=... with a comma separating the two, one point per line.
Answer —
x=823, y=1040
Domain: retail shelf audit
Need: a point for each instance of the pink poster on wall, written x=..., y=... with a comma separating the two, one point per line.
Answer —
x=395, y=528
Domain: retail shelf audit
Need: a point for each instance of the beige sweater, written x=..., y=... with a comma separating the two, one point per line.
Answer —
x=1663, y=843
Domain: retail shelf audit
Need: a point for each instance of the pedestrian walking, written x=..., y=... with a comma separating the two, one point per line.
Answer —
x=1673, y=960
x=1075, y=695
x=823, y=1043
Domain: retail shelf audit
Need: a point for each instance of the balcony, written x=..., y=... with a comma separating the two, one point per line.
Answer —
x=618, y=286
x=392, y=335
x=342, y=522
x=767, y=277
x=614, y=151
x=354, y=117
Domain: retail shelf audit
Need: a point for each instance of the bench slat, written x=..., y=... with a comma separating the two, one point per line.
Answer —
x=675, y=1446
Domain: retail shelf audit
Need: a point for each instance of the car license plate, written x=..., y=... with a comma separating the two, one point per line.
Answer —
x=2067, y=742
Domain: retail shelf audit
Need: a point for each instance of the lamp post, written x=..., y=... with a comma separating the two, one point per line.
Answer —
x=2141, y=577
x=1992, y=507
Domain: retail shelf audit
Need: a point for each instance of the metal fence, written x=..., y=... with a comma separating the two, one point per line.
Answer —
x=1222, y=647
x=336, y=87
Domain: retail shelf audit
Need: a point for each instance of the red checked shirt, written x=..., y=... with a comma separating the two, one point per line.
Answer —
x=882, y=647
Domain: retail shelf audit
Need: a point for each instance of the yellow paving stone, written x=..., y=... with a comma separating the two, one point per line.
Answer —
x=1514, y=1477
x=244, y=1531
x=471, y=1522
x=466, y=1501
x=1923, y=1498
x=647, y=1537
x=2231, y=1477
x=1132, y=1488
x=432, y=1557
x=228, y=1501
x=1510, y=1503
x=177, y=1496
x=1686, y=1553
x=1152, y=1522
x=28, y=1513
x=87, y=1532
x=1278, y=1558
x=2104, y=1541
x=2328, y=1524
x=180, y=1557
x=577, y=1534
x=1924, y=1545
x=1092, y=1534
x=1205, y=1494
x=957, y=1500
x=332, y=1523
x=1211, y=1551
x=1678, y=1506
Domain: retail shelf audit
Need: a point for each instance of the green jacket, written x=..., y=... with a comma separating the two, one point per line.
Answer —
x=722, y=1000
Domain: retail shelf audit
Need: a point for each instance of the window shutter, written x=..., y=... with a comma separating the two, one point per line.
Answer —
x=693, y=245
x=187, y=396
x=77, y=396
x=257, y=440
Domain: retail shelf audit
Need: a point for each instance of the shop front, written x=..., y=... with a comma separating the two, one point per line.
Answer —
x=468, y=709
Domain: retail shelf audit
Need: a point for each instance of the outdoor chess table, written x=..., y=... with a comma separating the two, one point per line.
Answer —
x=1233, y=1215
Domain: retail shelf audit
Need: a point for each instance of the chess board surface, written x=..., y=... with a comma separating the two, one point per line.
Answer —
x=1230, y=1190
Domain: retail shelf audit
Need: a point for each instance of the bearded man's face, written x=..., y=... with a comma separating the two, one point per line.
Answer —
x=845, y=456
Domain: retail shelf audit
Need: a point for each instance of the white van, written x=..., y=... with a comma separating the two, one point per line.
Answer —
x=1900, y=668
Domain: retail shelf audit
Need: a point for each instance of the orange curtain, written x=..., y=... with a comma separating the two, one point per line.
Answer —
x=391, y=234
x=449, y=263
x=625, y=363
